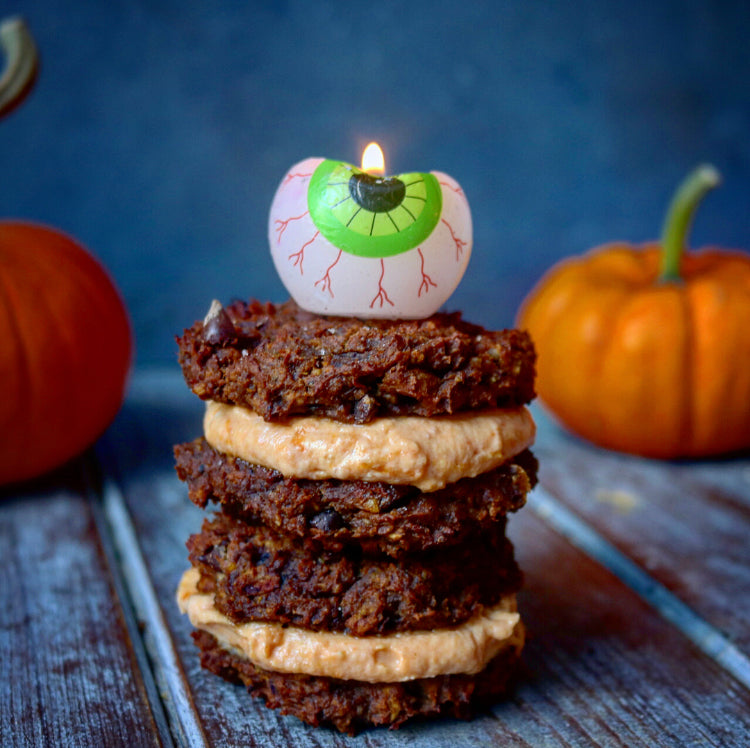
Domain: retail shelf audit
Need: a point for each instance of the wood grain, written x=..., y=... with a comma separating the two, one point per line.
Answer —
x=603, y=662
x=69, y=673
x=684, y=523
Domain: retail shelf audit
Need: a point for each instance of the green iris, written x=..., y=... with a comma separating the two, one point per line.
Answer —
x=373, y=216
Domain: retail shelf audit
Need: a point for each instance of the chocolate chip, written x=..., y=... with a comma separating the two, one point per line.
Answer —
x=217, y=327
x=327, y=521
x=364, y=409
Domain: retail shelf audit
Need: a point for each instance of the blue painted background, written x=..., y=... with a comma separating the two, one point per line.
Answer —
x=158, y=131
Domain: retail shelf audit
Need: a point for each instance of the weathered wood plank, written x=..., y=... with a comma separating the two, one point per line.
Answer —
x=710, y=640
x=70, y=676
x=685, y=523
x=603, y=668
x=603, y=662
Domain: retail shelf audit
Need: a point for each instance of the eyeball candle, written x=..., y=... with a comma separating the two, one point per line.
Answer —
x=346, y=241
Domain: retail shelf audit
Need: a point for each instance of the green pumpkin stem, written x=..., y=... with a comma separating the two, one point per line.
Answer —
x=680, y=217
x=21, y=63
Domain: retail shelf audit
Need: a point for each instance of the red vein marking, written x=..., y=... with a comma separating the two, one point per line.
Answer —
x=295, y=175
x=426, y=280
x=299, y=256
x=326, y=279
x=460, y=243
x=452, y=188
x=281, y=225
x=381, y=295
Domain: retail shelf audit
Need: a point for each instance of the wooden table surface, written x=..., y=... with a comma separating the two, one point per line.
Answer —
x=635, y=598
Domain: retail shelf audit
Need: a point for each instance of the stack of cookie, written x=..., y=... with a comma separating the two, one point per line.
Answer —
x=357, y=571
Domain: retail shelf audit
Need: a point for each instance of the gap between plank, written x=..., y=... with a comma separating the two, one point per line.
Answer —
x=146, y=602
x=92, y=480
x=706, y=637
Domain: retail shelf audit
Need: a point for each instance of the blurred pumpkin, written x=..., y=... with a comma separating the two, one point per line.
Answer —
x=646, y=349
x=66, y=350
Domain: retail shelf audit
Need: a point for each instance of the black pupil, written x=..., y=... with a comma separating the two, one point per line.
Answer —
x=376, y=194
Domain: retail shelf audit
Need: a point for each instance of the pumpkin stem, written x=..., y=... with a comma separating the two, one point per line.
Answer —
x=680, y=216
x=22, y=63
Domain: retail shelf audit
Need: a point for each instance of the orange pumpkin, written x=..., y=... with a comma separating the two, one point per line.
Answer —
x=66, y=350
x=646, y=349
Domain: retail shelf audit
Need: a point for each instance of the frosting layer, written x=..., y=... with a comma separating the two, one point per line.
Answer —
x=374, y=659
x=428, y=453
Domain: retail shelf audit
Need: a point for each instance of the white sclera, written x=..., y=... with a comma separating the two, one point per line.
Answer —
x=325, y=280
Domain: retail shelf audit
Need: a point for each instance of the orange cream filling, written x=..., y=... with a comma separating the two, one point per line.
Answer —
x=428, y=453
x=467, y=648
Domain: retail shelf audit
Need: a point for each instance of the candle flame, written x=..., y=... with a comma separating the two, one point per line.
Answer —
x=373, y=161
